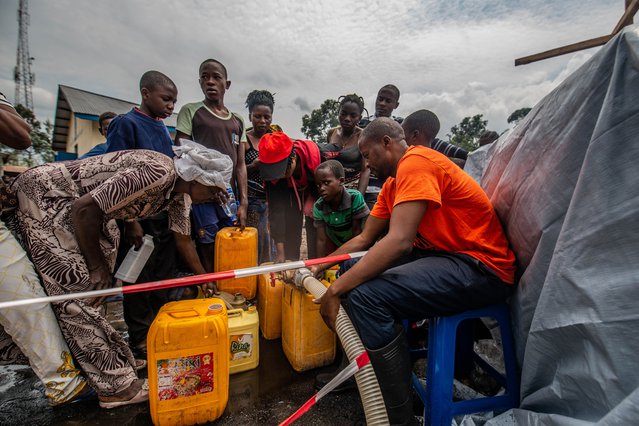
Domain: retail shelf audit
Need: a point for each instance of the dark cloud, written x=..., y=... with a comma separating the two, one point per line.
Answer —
x=303, y=104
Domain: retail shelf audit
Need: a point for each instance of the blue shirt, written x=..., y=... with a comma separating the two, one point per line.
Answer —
x=135, y=130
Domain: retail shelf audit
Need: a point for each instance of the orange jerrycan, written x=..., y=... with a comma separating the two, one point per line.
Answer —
x=269, y=304
x=307, y=342
x=244, y=339
x=188, y=367
x=235, y=249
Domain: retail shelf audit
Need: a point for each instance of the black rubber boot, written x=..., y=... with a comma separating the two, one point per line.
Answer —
x=393, y=369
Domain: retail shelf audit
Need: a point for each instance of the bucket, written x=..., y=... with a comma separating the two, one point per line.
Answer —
x=188, y=362
x=306, y=340
x=235, y=249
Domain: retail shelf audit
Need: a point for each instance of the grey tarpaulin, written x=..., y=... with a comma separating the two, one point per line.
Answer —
x=565, y=183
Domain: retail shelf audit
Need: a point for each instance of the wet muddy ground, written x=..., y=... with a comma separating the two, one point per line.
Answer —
x=264, y=396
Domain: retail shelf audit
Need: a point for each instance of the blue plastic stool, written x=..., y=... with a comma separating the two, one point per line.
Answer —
x=439, y=407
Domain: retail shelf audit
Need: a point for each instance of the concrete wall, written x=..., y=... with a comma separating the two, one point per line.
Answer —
x=83, y=135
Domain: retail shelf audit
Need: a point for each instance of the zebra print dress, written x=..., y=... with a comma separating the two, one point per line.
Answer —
x=125, y=185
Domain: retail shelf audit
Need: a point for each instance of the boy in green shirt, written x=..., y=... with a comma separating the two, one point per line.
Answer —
x=339, y=213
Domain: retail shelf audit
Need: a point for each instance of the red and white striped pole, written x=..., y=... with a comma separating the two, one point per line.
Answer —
x=184, y=281
x=355, y=365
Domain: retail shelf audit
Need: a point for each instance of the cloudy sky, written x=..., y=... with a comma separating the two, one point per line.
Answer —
x=454, y=57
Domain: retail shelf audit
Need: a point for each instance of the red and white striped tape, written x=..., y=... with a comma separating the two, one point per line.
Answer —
x=357, y=364
x=184, y=281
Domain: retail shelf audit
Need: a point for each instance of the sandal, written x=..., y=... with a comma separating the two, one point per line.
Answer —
x=86, y=394
x=141, y=396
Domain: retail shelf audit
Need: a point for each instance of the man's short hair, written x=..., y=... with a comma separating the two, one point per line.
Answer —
x=334, y=166
x=215, y=61
x=380, y=127
x=154, y=79
x=424, y=121
x=488, y=136
x=392, y=88
x=106, y=116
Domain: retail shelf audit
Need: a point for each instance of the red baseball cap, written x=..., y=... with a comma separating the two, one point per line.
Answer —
x=275, y=149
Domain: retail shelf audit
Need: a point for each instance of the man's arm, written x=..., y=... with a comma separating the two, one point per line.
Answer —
x=187, y=251
x=240, y=173
x=179, y=135
x=403, y=226
x=374, y=228
x=320, y=243
x=87, y=220
x=14, y=131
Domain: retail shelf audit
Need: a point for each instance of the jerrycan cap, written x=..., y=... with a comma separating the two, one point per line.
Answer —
x=238, y=301
x=252, y=309
x=215, y=308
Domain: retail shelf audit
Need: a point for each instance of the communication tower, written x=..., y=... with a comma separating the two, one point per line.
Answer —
x=23, y=76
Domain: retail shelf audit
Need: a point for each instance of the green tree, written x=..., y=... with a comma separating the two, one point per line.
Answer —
x=41, y=150
x=315, y=126
x=518, y=115
x=466, y=133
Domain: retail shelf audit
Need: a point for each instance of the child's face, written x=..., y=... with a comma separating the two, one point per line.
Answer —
x=328, y=186
x=349, y=115
x=261, y=118
x=159, y=101
x=213, y=81
x=104, y=125
x=385, y=103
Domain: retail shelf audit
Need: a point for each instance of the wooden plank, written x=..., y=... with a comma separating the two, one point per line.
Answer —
x=587, y=44
x=626, y=19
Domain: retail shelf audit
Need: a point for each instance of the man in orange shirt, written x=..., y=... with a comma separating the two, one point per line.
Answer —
x=444, y=252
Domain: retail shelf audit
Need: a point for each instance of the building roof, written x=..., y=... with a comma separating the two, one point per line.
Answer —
x=88, y=106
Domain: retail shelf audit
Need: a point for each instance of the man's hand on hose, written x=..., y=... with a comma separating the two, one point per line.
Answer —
x=329, y=308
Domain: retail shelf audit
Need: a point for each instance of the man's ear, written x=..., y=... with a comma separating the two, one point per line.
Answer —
x=342, y=180
x=145, y=93
x=387, y=140
x=397, y=105
x=228, y=84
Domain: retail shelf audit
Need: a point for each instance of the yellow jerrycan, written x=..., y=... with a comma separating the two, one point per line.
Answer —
x=235, y=249
x=307, y=342
x=244, y=339
x=188, y=362
x=269, y=304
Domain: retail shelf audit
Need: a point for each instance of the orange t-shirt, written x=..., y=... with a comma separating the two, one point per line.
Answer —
x=459, y=217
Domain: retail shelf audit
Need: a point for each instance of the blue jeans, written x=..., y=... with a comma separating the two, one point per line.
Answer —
x=422, y=285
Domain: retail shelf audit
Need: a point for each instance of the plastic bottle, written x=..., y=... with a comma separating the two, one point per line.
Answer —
x=230, y=208
x=132, y=265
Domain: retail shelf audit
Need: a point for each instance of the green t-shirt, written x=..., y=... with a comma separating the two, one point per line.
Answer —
x=339, y=223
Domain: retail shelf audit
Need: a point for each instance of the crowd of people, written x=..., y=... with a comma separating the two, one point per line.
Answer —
x=436, y=246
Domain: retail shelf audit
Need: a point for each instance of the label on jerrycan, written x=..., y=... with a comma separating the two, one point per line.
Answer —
x=241, y=346
x=186, y=376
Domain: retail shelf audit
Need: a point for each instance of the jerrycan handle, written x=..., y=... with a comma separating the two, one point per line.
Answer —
x=235, y=312
x=237, y=232
x=186, y=313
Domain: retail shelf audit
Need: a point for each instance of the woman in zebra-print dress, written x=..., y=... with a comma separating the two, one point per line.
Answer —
x=65, y=221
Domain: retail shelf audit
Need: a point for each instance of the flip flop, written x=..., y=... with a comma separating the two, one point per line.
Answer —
x=141, y=396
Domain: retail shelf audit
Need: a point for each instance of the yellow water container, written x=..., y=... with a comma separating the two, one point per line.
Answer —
x=269, y=304
x=331, y=273
x=188, y=362
x=235, y=249
x=244, y=339
x=307, y=342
